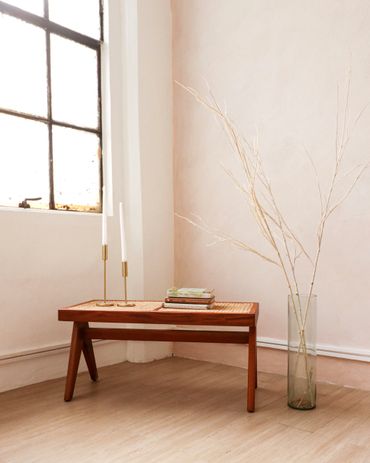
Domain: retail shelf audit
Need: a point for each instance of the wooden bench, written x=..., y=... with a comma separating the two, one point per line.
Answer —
x=223, y=314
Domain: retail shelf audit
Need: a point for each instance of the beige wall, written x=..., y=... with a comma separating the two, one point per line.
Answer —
x=155, y=87
x=275, y=65
x=148, y=164
x=53, y=259
x=49, y=260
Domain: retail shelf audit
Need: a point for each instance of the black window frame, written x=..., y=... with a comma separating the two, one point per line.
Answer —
x=51, y=27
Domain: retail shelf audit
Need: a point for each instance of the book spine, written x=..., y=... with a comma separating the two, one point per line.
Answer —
x=173, y=305
x=194, y=296
x=190, y=300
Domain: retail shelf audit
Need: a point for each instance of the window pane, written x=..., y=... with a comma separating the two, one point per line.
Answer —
x=76, y=169
x=23, y=66
x=24, y=171
x=74, y=83
x=81, y=16
x=33, y=6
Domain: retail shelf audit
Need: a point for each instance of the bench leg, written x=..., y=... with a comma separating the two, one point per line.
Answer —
x=88, y=351
x=74, y=360
x=252, y=376
x=255, y=365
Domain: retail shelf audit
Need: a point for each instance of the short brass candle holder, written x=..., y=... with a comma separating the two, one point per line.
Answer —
x=125, y=275
x=105, y=258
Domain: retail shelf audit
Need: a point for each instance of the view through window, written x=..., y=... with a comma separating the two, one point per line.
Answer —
x=50, y=104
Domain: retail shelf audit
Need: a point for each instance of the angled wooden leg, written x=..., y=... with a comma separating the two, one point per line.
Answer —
x=255, y=364
x=88, y=351
x=74, y=360
x=251, y=369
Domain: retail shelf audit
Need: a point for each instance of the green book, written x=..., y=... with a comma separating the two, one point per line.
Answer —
x=190, y=292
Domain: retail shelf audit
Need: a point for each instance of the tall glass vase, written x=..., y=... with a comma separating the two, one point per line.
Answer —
x=302, y=351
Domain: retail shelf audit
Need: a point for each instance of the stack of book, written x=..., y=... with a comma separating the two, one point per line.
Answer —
x=189, y=298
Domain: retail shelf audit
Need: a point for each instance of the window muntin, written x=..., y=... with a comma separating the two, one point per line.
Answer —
x=52, y=83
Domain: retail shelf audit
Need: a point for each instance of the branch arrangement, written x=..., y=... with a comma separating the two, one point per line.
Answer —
x=285, y=245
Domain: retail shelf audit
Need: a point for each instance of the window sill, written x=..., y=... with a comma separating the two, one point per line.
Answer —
x=47, y=211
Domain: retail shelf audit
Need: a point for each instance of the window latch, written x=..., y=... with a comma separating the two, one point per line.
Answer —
x=25, y=204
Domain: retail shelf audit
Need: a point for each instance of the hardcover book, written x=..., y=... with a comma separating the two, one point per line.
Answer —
x=190, y=300
x=190, y=292
x=173, y=305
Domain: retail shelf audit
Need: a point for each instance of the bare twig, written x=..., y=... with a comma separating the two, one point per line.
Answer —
x=317, y=179
x=222, y=237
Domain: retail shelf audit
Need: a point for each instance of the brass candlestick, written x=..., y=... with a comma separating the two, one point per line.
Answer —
x=105, y=258
x=125, y=275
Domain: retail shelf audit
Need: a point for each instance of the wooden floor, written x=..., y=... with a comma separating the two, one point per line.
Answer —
x=178, y=410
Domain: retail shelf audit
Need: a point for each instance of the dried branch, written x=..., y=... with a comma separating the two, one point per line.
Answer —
x=349, y=190
x=223, y=237
x=317, y=179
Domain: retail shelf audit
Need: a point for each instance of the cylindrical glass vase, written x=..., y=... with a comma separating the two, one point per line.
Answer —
x=302, y=351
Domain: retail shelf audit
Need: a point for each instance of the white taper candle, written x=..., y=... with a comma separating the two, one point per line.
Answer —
x=123, y=234
x=104, y=234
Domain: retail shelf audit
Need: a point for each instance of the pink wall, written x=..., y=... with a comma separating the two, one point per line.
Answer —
x=275, y=65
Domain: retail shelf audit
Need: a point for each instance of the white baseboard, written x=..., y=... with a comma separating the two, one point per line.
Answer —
x=272, y=358
x=144, y=351
x=324, y=350
x=34, y=366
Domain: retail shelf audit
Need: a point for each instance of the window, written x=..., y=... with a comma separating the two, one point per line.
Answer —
x=50, y=104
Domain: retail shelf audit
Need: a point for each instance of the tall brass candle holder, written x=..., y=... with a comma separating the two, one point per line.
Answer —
x=125, y=275
x=105, y=258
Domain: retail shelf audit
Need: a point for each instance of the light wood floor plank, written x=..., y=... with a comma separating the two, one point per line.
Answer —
x=178, y=410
